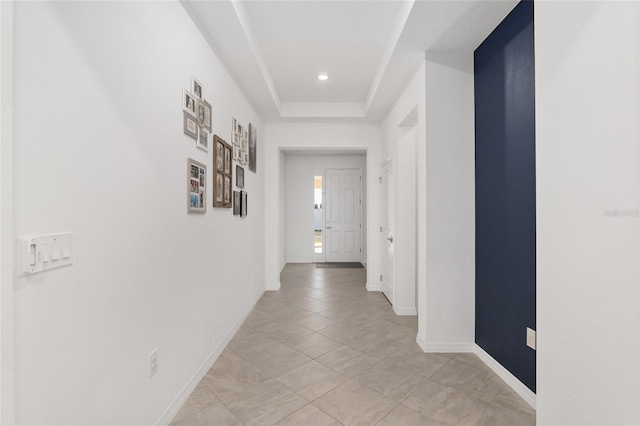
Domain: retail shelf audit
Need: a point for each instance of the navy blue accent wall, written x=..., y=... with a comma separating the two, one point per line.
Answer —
x=505, y=194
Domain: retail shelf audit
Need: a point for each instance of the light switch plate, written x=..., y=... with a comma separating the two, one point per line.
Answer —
x=531, y=338
x=43, y=252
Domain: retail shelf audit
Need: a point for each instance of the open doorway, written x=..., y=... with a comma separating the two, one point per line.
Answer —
x=308, y=177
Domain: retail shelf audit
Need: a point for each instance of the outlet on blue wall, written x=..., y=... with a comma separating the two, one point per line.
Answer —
x=505, y=194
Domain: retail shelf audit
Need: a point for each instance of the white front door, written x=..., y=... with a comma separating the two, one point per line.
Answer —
x=386, y=233
x=343, y=206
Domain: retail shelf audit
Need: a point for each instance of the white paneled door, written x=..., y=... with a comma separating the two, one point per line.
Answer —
x=343, y=207
x=386, y=232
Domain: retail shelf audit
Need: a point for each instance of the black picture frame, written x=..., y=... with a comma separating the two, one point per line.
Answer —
x=239, y=176
x=237, y=203
x=243, y=201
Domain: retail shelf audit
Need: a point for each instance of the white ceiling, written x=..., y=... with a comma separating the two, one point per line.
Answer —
x=371, y=49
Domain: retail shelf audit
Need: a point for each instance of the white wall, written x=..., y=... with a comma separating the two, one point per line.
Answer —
x=587, y=120
x=450, y=212
x=314, y=136
x=6, y=215
x=100, y=151
x=300, y=171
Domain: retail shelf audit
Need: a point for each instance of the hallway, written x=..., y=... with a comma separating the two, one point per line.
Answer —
x=325, y=351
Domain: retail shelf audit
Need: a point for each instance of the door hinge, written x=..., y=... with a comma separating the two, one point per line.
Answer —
x=380, y=179
x=381, y=229
x=380, y=277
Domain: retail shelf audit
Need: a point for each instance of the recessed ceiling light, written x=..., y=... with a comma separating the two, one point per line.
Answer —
x=323, y=76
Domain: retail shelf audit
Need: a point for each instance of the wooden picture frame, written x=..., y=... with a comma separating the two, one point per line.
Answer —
x=222, y=178
x=208, y=115
x=196, y=187
x=190, y=125
x=200, y=113
x=239, y=176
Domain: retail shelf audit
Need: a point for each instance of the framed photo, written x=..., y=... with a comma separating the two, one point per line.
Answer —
x=208, y=115
x=227, y=160
x=189, y=102
x=190, y=125
x=219, y=155
x=196, y=186
x=253, y=141
x=200, y=112
x=239, y=177
x=243, y=204
x=196, y=87
x=223, y=173
x=227, y=190
x=237, y=201
x=203, y=141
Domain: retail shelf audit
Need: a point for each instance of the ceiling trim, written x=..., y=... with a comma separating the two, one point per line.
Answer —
x=398, y=27
x=243, y=18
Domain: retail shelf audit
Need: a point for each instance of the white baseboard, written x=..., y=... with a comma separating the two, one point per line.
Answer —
x=183, y=395
x=511, y=380
x=372, y=287
x=405, y=311
x=277, y=288
x=443, y=347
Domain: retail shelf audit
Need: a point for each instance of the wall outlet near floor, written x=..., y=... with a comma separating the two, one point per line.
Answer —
x=531, y=338
x=153, y=363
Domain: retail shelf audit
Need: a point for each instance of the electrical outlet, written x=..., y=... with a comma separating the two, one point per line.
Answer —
x=153, y=363
x=531, y=338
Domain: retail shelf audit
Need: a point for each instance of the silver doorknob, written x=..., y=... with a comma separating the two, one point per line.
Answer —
x=390, y=239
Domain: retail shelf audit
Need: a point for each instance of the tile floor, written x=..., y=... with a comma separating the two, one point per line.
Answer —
x=325, y=351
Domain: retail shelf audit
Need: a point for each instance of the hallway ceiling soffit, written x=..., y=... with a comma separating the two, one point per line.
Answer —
x=371, y=49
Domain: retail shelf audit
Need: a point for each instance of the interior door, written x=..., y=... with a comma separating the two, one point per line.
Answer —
x=343, y=215
x=386, y=232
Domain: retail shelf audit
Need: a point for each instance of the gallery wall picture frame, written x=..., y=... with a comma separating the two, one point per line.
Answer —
x=196, y=187
x=190, y=125
x=239, y=177
x=239, y=141
x=200, y=113
x=203, y=140
x=196, y=86
x=253, y=142
x=222, y=178
x=189, y=102
x=243, y=204
x=237, y=203
x=208, y=115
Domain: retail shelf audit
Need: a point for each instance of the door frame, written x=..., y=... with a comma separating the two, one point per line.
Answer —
x=389, y=161
x=7, y=396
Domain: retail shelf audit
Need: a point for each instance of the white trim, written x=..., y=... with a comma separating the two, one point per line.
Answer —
x=511, y=380
x=405, y=311
x=372, y=287
x=7, y=387
x=275, y=289
x=189, y=387
x=444, y=347
x=387, y=159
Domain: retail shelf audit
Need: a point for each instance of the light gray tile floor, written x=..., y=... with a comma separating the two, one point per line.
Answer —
x=324, y=351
